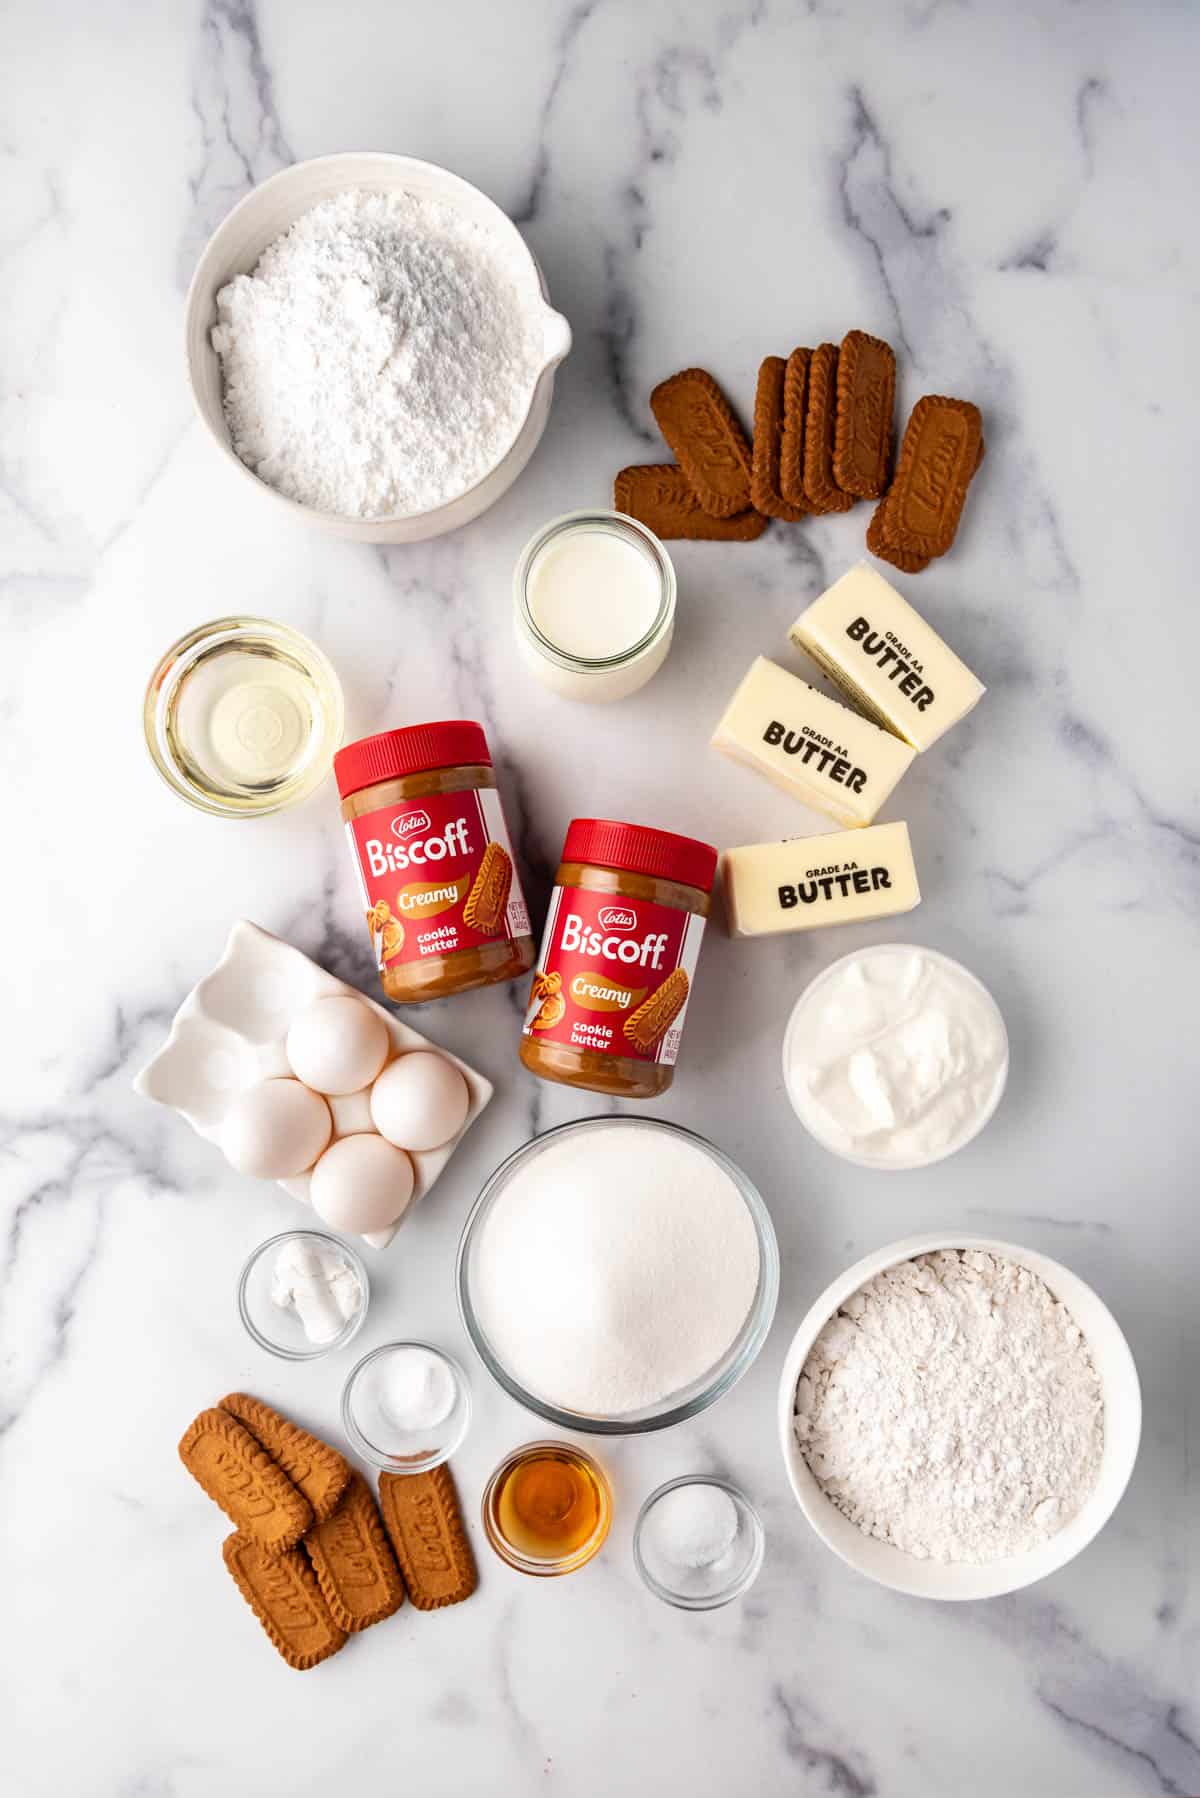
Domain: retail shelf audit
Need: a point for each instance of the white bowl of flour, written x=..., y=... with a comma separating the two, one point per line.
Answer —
x=966, y=1397
x=370, y=342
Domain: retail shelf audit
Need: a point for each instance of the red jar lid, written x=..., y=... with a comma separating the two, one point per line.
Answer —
x=454, y=743
x=634, y=849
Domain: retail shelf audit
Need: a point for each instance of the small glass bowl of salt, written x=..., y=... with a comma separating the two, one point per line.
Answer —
x=698, y=1543
x=406, y=1407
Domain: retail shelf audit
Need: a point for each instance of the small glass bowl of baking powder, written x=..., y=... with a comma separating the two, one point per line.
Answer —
x=406, y=1407
x=698, y=1543
x=303, y=1294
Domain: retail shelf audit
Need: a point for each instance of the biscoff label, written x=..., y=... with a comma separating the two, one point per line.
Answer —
x=614, y=975
x=437, y=875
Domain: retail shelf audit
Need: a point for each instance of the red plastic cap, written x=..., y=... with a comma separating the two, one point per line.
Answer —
x=634, y=849
x=454, y=743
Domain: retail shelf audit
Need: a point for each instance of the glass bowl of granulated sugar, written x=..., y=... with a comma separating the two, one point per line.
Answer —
x=959, y=1416
x=370, y=343
x=617, y=1275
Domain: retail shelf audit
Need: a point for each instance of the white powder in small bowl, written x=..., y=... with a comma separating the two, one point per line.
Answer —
x=615, y=1268
x=694, y=1526
x=381, y=358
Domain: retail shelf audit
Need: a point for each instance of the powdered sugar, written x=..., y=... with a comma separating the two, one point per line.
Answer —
x=382, y=356
x=951, y=1407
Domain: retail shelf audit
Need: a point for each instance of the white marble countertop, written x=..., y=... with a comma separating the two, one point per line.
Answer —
x=1004, y=193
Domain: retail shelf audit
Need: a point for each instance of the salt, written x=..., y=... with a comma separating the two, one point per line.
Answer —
x=694, y=1525
x=381, y=357
x=416, y=1390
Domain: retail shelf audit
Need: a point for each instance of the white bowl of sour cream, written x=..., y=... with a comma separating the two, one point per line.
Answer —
x=895, y=1057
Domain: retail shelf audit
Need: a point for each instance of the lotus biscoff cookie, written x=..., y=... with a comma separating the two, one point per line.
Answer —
x=879, y=546
x=791, y=445
x=252, y=1490
x=659, y=494
x=283, y=1593
x=820, y=489
x=654, y=1017
x=768, y=435
x=940, y=452
x=708, y=442
x=866, y=398
x=485, y=904
x=353, y=1561
x=879, y=541
x=423, y=1521
x=317, y=1470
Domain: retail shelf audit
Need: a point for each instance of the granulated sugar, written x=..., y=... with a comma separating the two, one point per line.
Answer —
x=951, y=1407
x=616, y=1268
x=381, y=358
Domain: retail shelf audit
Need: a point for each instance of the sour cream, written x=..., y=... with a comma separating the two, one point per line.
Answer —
x=895, y=1057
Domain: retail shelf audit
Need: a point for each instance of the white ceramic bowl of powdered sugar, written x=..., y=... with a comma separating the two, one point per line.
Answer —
x=370, y=342
x=958, y=1416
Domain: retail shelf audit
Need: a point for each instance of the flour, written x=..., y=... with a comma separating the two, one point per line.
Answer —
x=382, y=356
x=616, y=1268
x=951, y=1408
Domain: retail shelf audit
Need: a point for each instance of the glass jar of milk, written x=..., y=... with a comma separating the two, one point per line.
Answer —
x=594, y=598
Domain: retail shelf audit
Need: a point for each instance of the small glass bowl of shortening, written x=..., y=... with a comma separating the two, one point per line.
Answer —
x=698, y=1543
x=303, y=1294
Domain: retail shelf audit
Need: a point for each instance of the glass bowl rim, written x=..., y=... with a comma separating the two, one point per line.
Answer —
x=738, y=1360
x=749, y=1573
x=463, y=1403
x=318, y=1350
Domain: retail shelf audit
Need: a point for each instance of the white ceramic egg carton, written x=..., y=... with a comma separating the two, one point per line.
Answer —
x=229, y=1033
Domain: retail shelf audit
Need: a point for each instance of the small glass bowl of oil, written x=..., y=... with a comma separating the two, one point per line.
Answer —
x=547, y=1508
x=242, y=717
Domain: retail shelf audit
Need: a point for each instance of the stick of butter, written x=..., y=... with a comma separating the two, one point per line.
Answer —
x=849, y=877
x=811, y=746
x=884, y=657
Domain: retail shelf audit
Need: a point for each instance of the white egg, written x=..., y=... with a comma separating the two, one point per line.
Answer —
x=275, y=1129
x=361, y=1183
x=337, y=1044
x=420, y=1101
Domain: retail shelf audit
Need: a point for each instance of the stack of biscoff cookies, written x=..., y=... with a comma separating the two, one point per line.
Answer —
x=823, y=439
x=312, y=1553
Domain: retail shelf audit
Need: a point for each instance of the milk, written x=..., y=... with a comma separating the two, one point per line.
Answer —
x=595, y=606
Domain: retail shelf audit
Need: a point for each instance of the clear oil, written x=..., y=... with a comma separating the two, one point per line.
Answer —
x=248, y=722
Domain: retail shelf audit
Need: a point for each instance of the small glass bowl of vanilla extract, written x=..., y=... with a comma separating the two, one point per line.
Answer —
x=547, y=1508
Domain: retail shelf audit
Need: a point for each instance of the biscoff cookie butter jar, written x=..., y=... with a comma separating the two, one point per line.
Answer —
x=622, y=938
x=443, y=900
